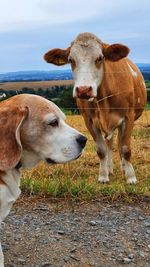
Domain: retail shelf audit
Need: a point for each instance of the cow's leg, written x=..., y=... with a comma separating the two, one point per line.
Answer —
x=110, y=159
x=102, y=151
x=124, y=141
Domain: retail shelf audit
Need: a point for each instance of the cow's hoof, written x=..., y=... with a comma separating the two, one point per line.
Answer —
x=103, y=179
x=132, y=180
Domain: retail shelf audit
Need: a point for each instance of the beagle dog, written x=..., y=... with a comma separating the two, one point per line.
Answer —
x=31, y=129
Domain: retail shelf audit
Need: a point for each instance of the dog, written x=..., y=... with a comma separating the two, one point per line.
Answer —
x=31, y=129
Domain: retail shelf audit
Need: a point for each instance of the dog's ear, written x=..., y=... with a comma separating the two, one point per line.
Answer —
x=11, y=121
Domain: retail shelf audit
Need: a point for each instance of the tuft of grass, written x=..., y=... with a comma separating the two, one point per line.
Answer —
x=78, y=179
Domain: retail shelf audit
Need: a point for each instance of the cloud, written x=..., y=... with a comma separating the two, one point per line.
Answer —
x=18, y=14
x=28, y=28
x=31, y=13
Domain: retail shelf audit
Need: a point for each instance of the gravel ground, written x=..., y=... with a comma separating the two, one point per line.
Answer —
x=39, y=233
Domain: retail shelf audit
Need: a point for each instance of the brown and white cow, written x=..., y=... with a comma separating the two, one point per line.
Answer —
x=110, y=93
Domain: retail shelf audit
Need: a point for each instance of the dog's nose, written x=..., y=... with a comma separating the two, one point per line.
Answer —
x=81, y=140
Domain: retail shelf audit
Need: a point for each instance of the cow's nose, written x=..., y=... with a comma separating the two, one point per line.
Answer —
x=81, y=140
x=84, y=92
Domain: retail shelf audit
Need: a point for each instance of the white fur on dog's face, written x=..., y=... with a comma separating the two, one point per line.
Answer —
x=46, y=136
x=58, y=144
x=60, y=141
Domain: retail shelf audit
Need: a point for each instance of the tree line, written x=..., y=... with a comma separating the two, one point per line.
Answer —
x=60, y=95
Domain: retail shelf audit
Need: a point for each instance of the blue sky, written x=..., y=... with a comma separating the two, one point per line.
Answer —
x=28, y=28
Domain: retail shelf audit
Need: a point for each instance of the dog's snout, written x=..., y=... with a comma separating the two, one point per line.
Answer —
x=81, y=140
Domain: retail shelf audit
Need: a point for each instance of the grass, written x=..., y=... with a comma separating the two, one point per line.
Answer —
x=147, y=106
x=147, y=84
x=78, y=179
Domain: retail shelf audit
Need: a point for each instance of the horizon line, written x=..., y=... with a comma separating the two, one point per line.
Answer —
x=30, y=70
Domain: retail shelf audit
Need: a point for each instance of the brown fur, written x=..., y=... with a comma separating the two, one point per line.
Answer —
x=120, y=98
x=57, y=56
x=11, y=119
x=126, y=89
x=115, y=52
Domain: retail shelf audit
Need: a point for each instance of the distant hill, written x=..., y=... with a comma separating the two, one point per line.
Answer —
x=22, y=76
x=145, y=69
x=54, y=75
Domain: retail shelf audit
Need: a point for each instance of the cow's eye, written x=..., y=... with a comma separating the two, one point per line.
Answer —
x=54, y=123
x=72, y=62
x=99, y=59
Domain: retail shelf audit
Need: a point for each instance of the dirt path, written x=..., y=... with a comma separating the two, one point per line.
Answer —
x=41, y=233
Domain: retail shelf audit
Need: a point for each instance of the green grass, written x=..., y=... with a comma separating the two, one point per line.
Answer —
x=83, y=188
x=147, y=107
x=147, y=84
x=78, y=179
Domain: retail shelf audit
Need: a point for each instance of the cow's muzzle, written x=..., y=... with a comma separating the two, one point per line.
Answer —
x=84, y=92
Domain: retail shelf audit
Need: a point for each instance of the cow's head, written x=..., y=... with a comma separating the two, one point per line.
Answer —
x=86, y=56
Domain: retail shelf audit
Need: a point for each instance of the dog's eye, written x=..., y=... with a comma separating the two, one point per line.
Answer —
x=53, y=123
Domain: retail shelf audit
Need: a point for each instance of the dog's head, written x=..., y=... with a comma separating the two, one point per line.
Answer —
x=34, y=129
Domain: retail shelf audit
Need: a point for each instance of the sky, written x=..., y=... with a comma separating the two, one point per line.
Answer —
x=29, y=28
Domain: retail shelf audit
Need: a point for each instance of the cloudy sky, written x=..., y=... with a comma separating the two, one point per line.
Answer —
x=28, y=28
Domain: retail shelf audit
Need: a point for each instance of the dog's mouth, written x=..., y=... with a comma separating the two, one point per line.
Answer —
x=78, y=156
x=50, y=161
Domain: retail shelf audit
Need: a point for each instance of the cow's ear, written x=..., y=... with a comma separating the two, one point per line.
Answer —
x=115, y=52
x=57, y=56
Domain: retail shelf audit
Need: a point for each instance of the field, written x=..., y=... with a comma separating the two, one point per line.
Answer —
x=78, y=179
x=17, y=86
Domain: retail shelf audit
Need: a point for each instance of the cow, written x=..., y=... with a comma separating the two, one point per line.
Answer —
x=110, y=93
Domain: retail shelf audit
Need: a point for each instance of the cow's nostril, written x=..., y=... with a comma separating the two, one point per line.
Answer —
x=81, y=140
x=84, y=92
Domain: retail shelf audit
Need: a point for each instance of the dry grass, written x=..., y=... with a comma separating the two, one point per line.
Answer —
x=78, y=179
x=17, y=86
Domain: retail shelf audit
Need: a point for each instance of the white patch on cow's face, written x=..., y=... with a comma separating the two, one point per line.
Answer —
x=134, y=73
x=85, y=71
